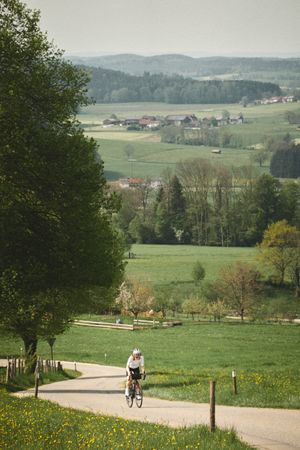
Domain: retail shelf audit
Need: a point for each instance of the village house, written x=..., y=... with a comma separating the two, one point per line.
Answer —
x=238, y=119
x=111, y=122
x=179, y=120
x=149, y=122
x=131, y=121
x=127, y=183
x=276, y=99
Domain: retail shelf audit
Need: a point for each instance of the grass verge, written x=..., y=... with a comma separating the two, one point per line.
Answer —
x=30, y=424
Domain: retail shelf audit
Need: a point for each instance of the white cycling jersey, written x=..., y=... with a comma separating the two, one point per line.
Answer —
x=135, y=363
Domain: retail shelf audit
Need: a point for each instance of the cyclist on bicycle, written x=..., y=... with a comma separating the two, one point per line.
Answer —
x=135, y=367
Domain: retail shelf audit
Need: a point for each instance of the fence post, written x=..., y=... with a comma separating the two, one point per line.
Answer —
x=234, y=381
x=212, y=406
x=7, y=371
x=36, y=379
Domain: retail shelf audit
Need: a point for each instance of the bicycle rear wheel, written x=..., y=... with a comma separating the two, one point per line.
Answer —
x=139, y=396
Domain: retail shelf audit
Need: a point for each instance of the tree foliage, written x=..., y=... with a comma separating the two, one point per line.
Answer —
x=135, y=297
x=198, y=272
x=238, y=287
x=280, y=247
x=56, y=240
x=285, y=162
x=113, y=86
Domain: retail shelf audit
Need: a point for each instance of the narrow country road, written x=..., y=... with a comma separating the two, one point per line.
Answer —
x=100, y=389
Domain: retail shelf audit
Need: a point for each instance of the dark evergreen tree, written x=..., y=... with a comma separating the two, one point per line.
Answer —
x=266, y=203
x=285, y=162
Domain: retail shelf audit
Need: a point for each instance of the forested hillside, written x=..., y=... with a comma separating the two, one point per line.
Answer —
x=109, y=86
x=282, y=71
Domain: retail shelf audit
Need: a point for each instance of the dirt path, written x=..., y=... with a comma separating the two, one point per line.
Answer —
x=100, y=389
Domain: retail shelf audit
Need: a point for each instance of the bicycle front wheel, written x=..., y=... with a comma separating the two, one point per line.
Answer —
x=139, y=397
x=129, y=400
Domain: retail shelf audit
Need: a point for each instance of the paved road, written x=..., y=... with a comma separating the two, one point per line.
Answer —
x=100, y=389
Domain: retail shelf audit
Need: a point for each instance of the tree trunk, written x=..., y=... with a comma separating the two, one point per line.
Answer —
x=242, y=314
x=30, y=345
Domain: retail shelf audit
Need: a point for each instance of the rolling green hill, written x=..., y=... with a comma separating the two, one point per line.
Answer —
x=284, y=71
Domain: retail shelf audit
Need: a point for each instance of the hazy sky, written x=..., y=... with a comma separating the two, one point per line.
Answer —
x=195, y=27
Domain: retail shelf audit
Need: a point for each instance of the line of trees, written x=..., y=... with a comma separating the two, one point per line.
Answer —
x=208, y=204
x=109, y=86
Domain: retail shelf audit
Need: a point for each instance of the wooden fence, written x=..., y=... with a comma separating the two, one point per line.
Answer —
x=16, y=366
x=137, y=323
x=146, y=323
x=90, y=323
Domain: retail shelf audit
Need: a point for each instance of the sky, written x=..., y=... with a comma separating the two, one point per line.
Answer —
x=191, y=27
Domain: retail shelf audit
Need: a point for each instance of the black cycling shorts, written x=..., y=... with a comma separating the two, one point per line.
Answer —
x=135, y=373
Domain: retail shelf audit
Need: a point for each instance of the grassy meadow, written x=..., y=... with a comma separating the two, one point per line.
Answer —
x=180, y=361
x=31, y=424
x=152, y=157
x=165, y=264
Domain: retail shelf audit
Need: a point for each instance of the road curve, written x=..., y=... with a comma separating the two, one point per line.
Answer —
x=100, y=389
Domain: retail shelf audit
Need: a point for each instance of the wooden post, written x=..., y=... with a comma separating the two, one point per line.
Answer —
x=7, y=371
x=234, y=381
x=36, y=379
x=212, y=406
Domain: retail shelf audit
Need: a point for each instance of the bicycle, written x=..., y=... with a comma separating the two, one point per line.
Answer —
x=135, y=392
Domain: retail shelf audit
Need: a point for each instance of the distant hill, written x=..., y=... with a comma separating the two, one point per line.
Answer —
x=282, y=71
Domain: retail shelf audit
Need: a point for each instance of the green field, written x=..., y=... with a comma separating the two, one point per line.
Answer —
x=181, y=360
x=152, y=157
x=164, y=264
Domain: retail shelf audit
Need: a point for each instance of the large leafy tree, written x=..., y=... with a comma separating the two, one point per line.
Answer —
x=57, y=242
x=238, y=287
x=279, y=249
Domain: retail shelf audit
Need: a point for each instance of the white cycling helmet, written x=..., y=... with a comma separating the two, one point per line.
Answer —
x=136, y=352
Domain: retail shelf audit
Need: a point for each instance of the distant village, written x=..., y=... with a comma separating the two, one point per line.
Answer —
x=188, y=120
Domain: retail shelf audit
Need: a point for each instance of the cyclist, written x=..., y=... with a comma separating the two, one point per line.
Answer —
x=135, y=367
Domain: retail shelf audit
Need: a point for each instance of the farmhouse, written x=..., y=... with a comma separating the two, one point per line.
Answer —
x=179, y=120
x=111, y=122
x=236, y=119
x=149, y=122
x=131, y=182
x=131, y=121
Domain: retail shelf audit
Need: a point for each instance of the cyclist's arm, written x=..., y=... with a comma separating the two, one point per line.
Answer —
x=142, y=365
x=128, y=366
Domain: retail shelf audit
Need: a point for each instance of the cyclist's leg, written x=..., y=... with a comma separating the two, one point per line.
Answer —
x=137, y=388
x=128, y=383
